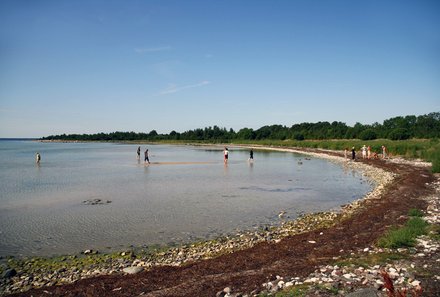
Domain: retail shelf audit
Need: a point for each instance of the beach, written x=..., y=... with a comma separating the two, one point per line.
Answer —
x=247, y=262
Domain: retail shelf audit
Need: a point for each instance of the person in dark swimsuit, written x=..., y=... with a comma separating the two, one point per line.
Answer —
x=146, y=159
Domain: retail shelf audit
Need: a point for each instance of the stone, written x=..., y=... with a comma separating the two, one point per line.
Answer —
x=415, y=283
x=132, y=269
x=369, y=292
x=9, y=273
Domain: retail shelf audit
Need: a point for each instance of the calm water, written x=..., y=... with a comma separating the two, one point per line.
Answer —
x=42, y=209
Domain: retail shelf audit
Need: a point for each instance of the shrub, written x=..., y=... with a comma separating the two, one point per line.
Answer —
x=368, y=134
x=298, y=136
x=399, y=134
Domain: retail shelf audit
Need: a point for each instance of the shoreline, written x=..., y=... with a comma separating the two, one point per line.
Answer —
x=270, y=219
x=194, y=252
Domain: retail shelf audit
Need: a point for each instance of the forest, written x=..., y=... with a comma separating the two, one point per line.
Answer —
x=396, y=128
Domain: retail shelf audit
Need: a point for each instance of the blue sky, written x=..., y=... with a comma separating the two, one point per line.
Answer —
x=103, y=66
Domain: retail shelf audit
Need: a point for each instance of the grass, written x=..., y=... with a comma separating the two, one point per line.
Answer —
x=414, y=212
x=367, y=260
x=404, y=236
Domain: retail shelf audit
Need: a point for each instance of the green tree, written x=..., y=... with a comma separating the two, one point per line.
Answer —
x=368, y=134
x=398, y=134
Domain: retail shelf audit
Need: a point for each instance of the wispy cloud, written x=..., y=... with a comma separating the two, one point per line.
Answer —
x=141, y=50
x=174, y=88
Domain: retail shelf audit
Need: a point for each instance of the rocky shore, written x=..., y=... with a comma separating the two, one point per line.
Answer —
x=20, y=275
x=359, y=275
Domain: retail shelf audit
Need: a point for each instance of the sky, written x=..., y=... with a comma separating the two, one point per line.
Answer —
x=103, y=66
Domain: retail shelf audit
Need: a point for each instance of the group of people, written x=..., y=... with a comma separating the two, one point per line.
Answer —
x=146, y=157
x=226, y=155
x=366, y=153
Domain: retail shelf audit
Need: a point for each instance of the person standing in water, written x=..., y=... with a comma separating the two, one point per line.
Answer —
x=353, y=153
x=226, y=154
x=251, y=156
x=146, y=159
x=37, y=158
x=139, y=152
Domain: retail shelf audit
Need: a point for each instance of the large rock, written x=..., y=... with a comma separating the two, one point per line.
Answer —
x=132, y=270
x=369, y=292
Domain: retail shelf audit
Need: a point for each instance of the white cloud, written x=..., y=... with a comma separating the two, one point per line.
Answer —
x=141, y=50
x=174, y=88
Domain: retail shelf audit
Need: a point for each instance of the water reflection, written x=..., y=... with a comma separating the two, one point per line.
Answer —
x=225, y=168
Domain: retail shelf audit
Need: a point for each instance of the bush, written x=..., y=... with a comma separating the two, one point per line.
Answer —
x=368, y=134
x=298, y=136
x=399, y=134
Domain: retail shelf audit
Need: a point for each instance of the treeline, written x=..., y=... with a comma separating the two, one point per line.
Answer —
x=397, y=128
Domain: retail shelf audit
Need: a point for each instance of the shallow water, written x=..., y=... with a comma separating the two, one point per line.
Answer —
x=189, y=195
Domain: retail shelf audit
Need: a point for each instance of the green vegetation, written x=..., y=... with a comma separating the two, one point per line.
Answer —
x=414, y=212
x=404, y=236
x=397, y=128
x=409, y=136
x=366, y=260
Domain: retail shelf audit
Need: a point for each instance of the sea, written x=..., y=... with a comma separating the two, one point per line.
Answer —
x=101, y=196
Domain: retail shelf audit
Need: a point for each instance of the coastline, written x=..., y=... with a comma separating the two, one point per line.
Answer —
x=215, y=248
